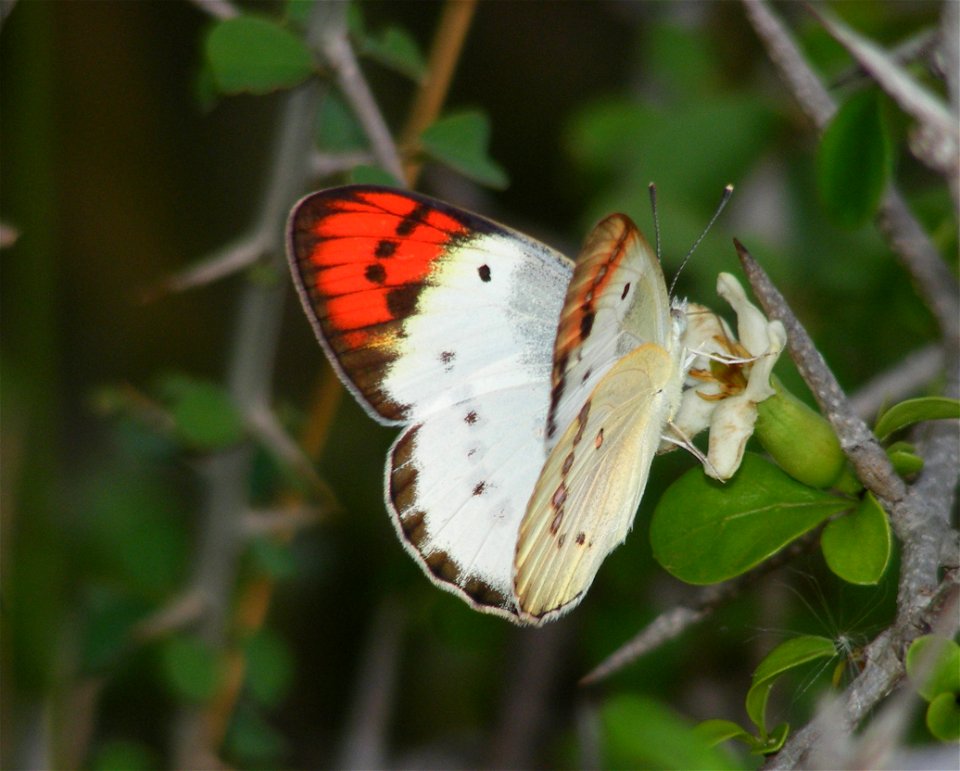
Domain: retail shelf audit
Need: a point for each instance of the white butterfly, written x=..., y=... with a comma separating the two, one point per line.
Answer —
x=534, y=394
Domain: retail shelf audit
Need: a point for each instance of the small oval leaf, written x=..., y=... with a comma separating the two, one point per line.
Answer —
x=704, y=531
x=857, y=546
x=249, y=54
x=788, y=655
x=943, y=717
x=203, y=412
x=460, y=141
x=396, y=49
x=715, y=732
x=941, y=675
x=853, y=160
x=912, y=411
x=191, y=668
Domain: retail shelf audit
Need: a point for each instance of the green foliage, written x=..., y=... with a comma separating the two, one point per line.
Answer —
x=252, y=740
x=269, y=667
x=857, y=546
x=789, y=655
x=250, y=54
x=704, y=531
x=904, y=458
x=191, y=669
x=338, y=130
x=933, y=663
x=396, y=49
x=460, y=141
x=120, y=755
x=639, y=732
x=912, y=411
x=203, y=412
x=853, y=163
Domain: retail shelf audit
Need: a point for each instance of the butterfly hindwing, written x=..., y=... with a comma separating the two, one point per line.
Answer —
x=442, y=321
x=584, y=502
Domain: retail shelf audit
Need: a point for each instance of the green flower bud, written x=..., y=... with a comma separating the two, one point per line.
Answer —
x=799, y=439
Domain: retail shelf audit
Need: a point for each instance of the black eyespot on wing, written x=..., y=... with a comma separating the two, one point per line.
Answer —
x=375, y=273
x=385, y=248
x=484, y=272
x=626, y=288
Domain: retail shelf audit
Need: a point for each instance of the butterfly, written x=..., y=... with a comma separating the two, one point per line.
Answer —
x=532, y=391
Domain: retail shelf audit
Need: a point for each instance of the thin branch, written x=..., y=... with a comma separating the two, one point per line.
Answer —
x=899, y=227
x=222, y=263
x=365, y=737
x=338, y=54
x=919, y=529
x=184, y=611
x=676, y=620
x=281, y=522
x=938, y=138
x=861, y=447
x=447, y=46
x=197, y=732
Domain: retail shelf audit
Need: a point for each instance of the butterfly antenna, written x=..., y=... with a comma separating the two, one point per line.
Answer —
x=656, y=220
x=727, y=192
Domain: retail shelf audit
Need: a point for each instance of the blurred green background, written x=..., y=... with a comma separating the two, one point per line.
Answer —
x=115, y=177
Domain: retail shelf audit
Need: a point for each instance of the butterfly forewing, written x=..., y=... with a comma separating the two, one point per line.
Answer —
x=616, y=301
x=443, y=321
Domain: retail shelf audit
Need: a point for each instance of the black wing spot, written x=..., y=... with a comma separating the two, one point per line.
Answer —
x=402, y=301
x=479, y=488
x=567, y=464
x=581, y=537
x=586, y=324
x=561, y=539
x=446, y=359
x=586, y=375
x=375, y=273
x=409, y=223
x=626, y=288
x=470, y=418
x=386, y=248
x=484, y=272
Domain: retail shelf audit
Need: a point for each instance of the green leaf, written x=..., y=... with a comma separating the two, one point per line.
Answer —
x=943, y=717
x=249, y=54
x=641, y=732
x=273, y=558
x=373, y=175
x=786, y=656
x=203, y=412
x=396, y=49
x=121, y=755
x=857, y=546
x=904, y=459
x=939, y=675
x=853, y=160
x=916, y=411
x=715, y=732
x=337, y=129
x=269, y=667
x=704, y=531
x=460, y=141
x=253, y=741
x=191, y=669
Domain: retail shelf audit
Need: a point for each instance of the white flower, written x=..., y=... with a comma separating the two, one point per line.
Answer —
x=727, y=378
